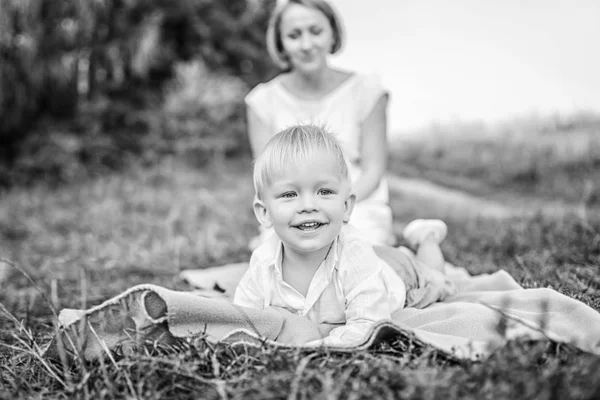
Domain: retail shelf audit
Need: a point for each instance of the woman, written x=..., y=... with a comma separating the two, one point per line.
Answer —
x=301, y=36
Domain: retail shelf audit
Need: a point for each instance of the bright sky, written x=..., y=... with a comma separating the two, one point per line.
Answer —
x=464, y=60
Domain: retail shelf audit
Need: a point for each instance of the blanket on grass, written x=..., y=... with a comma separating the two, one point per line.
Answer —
x=487, y=311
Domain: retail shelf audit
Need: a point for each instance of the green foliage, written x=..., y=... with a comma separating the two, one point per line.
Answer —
x=201, y=115
x=94, y=72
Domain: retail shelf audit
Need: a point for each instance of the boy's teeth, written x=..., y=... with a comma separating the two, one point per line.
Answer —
x=308, y=225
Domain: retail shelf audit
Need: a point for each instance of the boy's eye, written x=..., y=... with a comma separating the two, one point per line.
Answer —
x=288, y=195
x=325, y=192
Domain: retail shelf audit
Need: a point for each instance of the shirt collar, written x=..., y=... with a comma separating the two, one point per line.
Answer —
x=277, y=261
x=331, y=261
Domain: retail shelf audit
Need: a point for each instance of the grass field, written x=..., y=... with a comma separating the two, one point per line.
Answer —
x=79, y=244
x=540, y=158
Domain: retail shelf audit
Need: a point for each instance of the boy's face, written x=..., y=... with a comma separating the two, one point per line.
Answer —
x=306, y=204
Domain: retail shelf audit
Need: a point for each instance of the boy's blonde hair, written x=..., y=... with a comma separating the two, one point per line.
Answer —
x=295, y=145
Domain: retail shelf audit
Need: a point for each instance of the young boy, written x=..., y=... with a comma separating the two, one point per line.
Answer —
x=316, y=265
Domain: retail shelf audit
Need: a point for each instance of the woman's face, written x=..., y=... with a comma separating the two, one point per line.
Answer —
x=307, y=37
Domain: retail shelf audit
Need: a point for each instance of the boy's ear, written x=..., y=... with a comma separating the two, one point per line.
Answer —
x=261, y=213
x=349, y=204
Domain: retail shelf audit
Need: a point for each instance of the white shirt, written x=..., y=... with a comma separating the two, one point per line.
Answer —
x=352, y=288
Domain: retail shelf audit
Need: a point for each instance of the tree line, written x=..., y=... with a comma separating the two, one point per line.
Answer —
x=88, y=70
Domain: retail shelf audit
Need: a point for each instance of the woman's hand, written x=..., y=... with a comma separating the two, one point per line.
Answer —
x=374, y=153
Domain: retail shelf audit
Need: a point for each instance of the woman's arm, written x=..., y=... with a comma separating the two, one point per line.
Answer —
x=374, y=154
x=258, y=132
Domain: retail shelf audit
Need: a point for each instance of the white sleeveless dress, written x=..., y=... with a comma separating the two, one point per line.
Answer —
x=341, y=112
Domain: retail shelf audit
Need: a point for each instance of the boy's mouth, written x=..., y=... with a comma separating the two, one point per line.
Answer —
x=309, y=226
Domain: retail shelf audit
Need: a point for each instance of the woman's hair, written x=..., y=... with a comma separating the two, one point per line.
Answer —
x=292, y=146
x=274, y=42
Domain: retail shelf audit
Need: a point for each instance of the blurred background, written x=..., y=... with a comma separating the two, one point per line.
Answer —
x=466, y=60
x=87, y=87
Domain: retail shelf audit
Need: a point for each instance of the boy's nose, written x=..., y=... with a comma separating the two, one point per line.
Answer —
x=308, y=204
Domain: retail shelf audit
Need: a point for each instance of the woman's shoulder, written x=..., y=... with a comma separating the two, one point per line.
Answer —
x=267, y=85
x=263, y=93
x=367, y=90
x=368, y=80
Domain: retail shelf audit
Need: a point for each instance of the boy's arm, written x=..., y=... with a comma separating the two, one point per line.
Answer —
x=366, y=297
x=250, y=290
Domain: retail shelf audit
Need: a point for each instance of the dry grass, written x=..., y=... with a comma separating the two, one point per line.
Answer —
x=144, y=224
x=539, y=157
x=83, y=243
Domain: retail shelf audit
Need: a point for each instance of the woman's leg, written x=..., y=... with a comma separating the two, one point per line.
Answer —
x=426, y=235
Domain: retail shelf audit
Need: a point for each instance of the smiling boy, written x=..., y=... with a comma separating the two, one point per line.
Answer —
x=316, y=265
